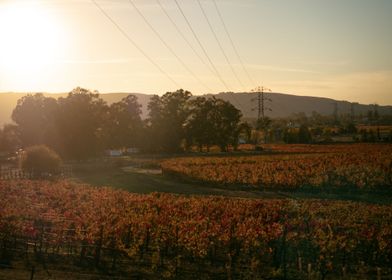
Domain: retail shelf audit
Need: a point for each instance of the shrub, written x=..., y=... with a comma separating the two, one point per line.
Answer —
x=41, y=160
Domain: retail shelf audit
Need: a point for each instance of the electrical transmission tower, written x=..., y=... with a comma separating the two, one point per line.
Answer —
x=262, y=122
x=261, y=100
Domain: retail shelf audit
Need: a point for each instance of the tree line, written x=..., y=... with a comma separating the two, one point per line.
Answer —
x=83, y=125
x=300, y=128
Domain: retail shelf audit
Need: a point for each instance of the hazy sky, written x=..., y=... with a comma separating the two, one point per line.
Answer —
x=332, y=48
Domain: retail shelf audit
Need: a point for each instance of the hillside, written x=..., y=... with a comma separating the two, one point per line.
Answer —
x=282, y=105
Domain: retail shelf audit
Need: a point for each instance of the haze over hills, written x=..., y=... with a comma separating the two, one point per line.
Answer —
x=281, y=105
x=284, y=105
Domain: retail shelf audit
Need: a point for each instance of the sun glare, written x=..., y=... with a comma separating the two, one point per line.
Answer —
x=31, y=39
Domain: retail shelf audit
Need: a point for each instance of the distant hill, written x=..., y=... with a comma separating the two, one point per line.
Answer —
x=282, y=105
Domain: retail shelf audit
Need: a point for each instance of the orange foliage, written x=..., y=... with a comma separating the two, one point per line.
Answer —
x=333, y=166
x=197, y=227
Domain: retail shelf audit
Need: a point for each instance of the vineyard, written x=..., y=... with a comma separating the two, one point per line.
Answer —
x=167, y=236
x=293, y=167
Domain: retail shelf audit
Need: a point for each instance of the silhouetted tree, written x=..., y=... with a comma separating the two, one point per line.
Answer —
x=364, y=135
x=370, y=116
x=213, y=121
x=80, y=122
x=389, y=138
x=199, y=127
x=227, y=122
x=123, y=124
x=9, y=138
x=152, y=131
x=167, y=116
x=301, y=118
x=35, y=117
x=304, y=135
x=264, y=124
x=290, y=136
x=351, y=128
x=246, y=130
x=376, y=115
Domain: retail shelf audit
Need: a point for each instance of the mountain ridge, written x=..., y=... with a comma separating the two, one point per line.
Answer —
x=281, y=104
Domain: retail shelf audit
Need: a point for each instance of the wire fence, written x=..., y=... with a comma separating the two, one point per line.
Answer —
x=42, y=253
x=17, y=173
x=39, y=258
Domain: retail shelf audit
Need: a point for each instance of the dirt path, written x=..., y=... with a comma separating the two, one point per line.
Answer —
x=145, y=180
x=143, y=175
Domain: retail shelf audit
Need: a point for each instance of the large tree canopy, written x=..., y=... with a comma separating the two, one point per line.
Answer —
x=167, y=116
x=9, y=138
x=35, y=117
x=123, y=127
x=81, y=117
x=213, y=122
x=176, y=122
x=82, y=125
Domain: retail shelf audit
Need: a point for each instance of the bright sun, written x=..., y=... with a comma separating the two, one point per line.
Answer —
x=31, y=39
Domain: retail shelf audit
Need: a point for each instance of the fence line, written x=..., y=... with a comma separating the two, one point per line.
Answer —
x=147, y=263
x=17, y=173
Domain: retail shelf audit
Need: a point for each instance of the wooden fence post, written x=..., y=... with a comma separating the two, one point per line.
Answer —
x=32, y=273
x=309, y=271
x=378, y=273
x=299, y=264
x=99, y=247
x=284, y=252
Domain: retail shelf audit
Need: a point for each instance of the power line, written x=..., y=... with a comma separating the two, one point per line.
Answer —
x=183, y=36
x=206, y=54
x=201, y=45
x=189, y=44
x=166, y=44
x=131, y=41
x=232, y=43
x=223, y=52
x=134, y=43
x=219, y=43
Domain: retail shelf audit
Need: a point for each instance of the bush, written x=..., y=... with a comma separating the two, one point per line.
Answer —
x=41, y=160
